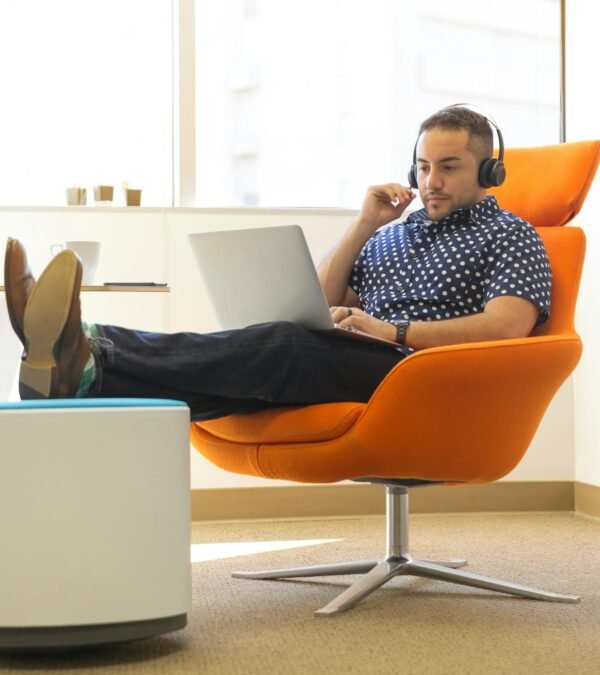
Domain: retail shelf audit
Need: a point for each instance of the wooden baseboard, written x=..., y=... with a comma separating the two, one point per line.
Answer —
x=335, y=501
x=587, y=499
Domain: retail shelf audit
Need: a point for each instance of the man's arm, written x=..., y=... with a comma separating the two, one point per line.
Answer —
x=502, y=318
x=382, y=204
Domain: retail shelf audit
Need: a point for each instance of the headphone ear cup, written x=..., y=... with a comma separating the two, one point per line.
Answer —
x=491, y=173
x=412, y=177
x=499, y=173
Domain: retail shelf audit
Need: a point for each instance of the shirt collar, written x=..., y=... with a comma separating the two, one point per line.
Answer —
x=481, y=212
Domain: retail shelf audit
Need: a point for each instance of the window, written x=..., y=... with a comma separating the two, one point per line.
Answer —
x=305, y=104
x=86, y=98
x=295, y=104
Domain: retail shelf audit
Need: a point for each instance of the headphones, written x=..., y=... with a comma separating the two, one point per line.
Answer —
x=491, y=170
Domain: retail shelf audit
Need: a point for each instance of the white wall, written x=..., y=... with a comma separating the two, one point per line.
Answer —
x=583, y=122
x=152, y=245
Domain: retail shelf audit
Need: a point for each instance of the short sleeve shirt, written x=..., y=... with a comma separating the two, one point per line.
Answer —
x=425, y=270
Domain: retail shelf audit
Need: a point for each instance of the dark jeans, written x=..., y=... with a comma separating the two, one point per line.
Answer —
x=239, y=371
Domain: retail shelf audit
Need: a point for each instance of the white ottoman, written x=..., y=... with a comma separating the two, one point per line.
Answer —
x=94, y=521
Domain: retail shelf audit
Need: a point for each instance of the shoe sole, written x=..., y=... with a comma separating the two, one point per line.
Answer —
x=45, y=319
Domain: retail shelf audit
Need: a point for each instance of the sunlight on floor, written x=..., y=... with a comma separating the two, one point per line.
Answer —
x=204, y=552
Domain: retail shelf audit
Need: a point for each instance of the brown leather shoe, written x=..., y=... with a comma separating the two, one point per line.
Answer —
x=18, y=284
x=57, y=349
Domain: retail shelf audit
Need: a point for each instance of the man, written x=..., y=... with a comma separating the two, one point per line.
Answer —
x=459, y=270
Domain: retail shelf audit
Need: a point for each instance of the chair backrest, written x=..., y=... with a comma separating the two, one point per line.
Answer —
x=547, y=186
x=566, y=249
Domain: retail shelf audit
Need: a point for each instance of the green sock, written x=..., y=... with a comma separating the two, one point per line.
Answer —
x=88, y=377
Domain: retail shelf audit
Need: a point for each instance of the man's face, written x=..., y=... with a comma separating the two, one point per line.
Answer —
x=447, y=172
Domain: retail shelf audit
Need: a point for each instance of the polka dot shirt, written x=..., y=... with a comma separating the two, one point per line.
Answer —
x=423, y=270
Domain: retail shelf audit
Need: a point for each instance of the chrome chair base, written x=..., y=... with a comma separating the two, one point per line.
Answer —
x=399, y=562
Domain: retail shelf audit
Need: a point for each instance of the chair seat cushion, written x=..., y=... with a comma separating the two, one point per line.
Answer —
x=287, y=425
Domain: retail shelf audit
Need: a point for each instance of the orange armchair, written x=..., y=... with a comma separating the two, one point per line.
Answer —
x=426, y=421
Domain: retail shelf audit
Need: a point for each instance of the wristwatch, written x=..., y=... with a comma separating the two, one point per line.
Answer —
x=401, y=328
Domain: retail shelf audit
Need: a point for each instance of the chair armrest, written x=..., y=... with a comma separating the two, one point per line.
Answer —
x=464, y=412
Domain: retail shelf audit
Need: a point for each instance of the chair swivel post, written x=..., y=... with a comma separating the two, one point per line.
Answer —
x=396, y=522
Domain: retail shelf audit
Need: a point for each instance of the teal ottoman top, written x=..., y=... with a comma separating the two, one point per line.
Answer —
x=41, y=404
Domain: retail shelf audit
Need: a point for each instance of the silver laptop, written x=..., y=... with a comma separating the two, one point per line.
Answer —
x=265, y=274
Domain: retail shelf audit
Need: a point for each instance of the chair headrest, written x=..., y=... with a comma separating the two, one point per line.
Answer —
x=547, y=185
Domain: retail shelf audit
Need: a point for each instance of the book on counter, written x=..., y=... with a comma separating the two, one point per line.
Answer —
x=134, y=283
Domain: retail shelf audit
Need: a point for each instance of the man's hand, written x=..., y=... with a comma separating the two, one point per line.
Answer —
x=384, y=203
x=353, y=318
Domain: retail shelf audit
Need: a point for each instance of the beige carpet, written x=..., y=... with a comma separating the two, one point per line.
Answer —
x=408, y=626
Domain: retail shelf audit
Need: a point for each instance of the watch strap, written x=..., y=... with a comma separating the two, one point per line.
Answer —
x=401, y=330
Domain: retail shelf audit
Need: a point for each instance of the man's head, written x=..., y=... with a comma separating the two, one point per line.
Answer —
x=452, y=144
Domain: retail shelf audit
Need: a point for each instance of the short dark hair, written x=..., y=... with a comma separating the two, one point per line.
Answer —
x=481, y=138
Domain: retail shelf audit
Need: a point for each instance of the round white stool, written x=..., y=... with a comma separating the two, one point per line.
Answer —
x=94, y=521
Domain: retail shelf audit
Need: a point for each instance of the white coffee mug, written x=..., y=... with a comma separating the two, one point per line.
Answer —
x=88, y=251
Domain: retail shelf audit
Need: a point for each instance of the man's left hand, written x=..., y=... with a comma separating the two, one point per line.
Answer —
x=354, y=318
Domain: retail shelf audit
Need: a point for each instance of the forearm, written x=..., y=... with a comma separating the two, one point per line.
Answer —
x=503, y=318
x=382, y=204
x=474, y=328
x=335, y=269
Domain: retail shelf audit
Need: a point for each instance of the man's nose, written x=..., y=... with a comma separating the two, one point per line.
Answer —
x=434, y=179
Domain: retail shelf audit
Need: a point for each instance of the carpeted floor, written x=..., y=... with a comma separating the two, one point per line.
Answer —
x=409, y=626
